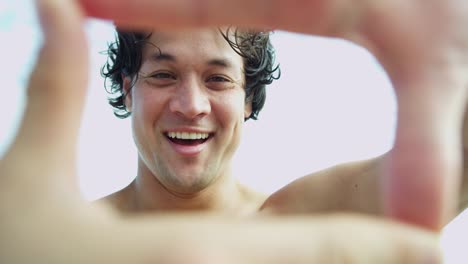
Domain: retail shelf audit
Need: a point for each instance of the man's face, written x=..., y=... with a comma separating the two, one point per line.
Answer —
x=188, y=108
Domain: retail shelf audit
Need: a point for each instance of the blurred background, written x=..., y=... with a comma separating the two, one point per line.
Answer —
x=333, y=104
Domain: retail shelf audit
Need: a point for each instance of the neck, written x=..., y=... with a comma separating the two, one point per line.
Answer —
x=225, y=194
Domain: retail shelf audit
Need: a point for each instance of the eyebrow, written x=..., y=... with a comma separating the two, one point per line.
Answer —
x=220, y=62
x=159, y=56
x=162, y=57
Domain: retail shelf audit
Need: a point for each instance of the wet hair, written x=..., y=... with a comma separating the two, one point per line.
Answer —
x=125, y=59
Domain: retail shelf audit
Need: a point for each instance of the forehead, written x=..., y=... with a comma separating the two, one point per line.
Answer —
x=195, y=45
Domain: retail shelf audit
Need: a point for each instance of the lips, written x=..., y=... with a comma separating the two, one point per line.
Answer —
x=188, y=143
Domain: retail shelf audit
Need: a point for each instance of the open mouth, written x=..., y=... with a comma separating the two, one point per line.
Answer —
x=188, y=139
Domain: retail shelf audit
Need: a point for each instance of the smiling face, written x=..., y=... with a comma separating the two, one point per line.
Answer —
x=188, y=108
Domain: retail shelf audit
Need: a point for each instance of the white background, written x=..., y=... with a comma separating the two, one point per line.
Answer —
x=333, y=104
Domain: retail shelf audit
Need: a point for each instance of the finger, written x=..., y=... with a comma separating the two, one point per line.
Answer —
x=423, y=171
x=323, y=17
x=319, y=239
x=43, y=154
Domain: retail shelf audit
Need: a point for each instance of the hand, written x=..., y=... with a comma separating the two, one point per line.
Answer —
x=421, y=44
x=40, y=201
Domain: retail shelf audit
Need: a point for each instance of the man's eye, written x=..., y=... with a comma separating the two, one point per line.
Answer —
x=219, y=82
x=162, y=75
x=159, y=79
x=218, y=78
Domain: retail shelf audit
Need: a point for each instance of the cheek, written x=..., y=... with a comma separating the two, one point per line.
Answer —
x=233, y=122
x=229, y=109
x=148, y=104
x=147, y=110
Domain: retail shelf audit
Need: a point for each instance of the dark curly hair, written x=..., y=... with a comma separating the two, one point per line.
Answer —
x=125, y=58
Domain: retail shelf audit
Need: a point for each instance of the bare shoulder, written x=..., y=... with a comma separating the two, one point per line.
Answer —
x=350, y=186
x=119, y=201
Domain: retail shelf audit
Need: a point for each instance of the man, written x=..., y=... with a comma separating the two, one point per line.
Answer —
x=192, y=86
x=203, y=84
x=174, y=86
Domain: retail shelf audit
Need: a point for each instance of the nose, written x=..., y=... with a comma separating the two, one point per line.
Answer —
x=190, y=100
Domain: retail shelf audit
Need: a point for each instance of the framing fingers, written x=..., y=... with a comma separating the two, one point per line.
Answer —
x=43, y=152
x=321, y=17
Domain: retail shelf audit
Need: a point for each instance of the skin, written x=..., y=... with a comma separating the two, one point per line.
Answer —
x=198, y=88
x=420, y=45
x=425, y=58
x=186, y=95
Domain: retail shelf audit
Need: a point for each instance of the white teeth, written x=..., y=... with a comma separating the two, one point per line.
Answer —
x=187, y=135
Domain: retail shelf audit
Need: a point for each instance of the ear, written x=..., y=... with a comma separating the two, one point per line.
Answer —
x=247, y=109
x=127, y=91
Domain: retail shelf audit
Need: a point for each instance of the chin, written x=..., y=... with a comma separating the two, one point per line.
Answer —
x=190, y=182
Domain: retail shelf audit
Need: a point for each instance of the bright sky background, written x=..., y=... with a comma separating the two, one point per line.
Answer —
x=333, y=104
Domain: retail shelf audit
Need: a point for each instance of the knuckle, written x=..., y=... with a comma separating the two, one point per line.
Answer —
x=354, y=239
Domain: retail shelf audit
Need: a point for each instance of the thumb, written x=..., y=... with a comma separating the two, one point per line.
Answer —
x=43, y=153
x=424, y=167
